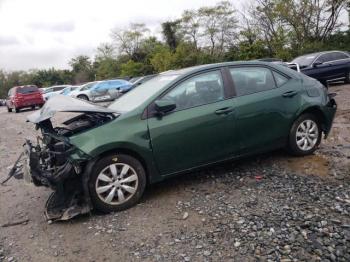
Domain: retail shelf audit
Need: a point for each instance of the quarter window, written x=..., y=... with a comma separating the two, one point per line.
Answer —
x=199, y=90
x=280, y=79
x=249, y=80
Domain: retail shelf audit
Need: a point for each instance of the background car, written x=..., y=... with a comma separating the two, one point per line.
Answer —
x=104, y=90
x=53, y=90
x=141, y=80
x=66, y=91
x=24, y=96
x=329, y=66
x=82, y=91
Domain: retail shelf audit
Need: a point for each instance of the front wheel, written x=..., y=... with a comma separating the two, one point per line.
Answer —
x=83, y=97
x=305, y=135
x=16, y=110
x=9, y=109
x=117, y=183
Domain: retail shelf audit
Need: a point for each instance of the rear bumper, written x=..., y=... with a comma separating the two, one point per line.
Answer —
x=29, y=103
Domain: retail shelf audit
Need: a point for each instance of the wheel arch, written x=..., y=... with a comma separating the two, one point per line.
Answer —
x=130, y=152
x=317, y=112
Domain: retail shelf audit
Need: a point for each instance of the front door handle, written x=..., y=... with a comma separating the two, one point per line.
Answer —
x=224, y=111
x=289, y=94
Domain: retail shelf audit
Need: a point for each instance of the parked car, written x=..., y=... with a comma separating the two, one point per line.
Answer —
x=176, y=122
x=24, y=96
x=329, y=66
x=53, y=90
x=141, y=80
x=66, y=91
x=104, y=90
x=2, y=102
x=82, y=92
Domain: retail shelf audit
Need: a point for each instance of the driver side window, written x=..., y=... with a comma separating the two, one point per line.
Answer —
x=199, y=90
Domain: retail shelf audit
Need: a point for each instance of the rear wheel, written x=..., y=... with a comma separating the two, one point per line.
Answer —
x=33, y=107
x=117, y=183
x=16, y=110
x=9, y=109
x=83, y=97
x=305, y=135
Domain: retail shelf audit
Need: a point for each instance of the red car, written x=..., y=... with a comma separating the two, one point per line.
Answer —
x=24, y=96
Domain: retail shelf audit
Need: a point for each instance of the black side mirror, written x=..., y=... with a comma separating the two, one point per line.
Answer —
x=317, y=63
x=164, y=106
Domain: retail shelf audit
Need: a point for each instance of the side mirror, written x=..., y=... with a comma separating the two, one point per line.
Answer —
x=164, y=106
x=317, y=63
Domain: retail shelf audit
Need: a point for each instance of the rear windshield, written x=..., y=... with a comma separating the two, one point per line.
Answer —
x=26, y=89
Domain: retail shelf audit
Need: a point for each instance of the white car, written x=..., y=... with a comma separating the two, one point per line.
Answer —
x=53, y=90
x=82, y=92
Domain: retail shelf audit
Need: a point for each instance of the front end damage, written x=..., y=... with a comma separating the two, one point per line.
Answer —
x=48, y=161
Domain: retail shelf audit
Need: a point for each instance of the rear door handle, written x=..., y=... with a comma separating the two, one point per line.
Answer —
x=225, y=110
x=289, y=94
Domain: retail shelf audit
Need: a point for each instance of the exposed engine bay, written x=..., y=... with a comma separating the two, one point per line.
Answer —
x=46, y=162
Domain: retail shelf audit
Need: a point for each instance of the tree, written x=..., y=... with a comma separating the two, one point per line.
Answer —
x=190, y=26
x=132, y=68
x=129, y=41
x=171, y=33
x=82, y=69
x=162, y=59
x=219, y=26
x=105, y=51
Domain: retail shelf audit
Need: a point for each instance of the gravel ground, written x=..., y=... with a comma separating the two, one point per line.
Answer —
x=270, y=207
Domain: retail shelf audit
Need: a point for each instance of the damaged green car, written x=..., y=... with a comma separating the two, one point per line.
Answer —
x=181, y=120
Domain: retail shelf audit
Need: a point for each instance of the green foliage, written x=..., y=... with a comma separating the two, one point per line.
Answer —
x=107, y=68
x=132, y=68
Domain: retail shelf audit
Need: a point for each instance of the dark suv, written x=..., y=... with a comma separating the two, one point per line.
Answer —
x=24, y=96
x=329, y=66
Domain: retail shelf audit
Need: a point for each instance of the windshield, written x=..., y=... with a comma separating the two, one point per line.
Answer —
x=48, y=90
x=137, y=96
x=87, y=86
x=305, y=60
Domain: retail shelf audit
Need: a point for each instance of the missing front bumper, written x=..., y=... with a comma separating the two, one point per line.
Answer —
x=69, y=198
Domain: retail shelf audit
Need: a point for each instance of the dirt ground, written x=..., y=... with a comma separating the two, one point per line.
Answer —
x=271, y=207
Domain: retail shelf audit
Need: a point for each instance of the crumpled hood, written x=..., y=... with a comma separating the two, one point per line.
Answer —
x=61, y=103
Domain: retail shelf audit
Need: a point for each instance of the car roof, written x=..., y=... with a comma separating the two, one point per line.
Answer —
x=199, y=68
x=323, y=52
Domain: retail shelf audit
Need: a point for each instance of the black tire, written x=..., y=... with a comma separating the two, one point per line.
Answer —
x=9, y=109
x=293, y=147
x=16, y=110
x=104, y=163
x=33, y=107
x=83, y=97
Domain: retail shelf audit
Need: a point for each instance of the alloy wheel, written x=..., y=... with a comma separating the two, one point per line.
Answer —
x=307, y=135
x=116, y=183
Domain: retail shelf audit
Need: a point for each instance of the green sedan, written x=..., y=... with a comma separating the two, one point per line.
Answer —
x=179, y=121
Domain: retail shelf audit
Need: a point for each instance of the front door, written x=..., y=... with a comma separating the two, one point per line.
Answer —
x=200, y=130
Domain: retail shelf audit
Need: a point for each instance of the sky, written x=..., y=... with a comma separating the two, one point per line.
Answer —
x=42, y=34
x=48, y=33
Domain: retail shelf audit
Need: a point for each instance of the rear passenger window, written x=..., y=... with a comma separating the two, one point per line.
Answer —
x=249, y=80
x=280, y=79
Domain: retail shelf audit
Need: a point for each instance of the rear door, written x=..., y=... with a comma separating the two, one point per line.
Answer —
x=323, y=71
x=265, y=105
x=340, y=66
x=201, y=129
